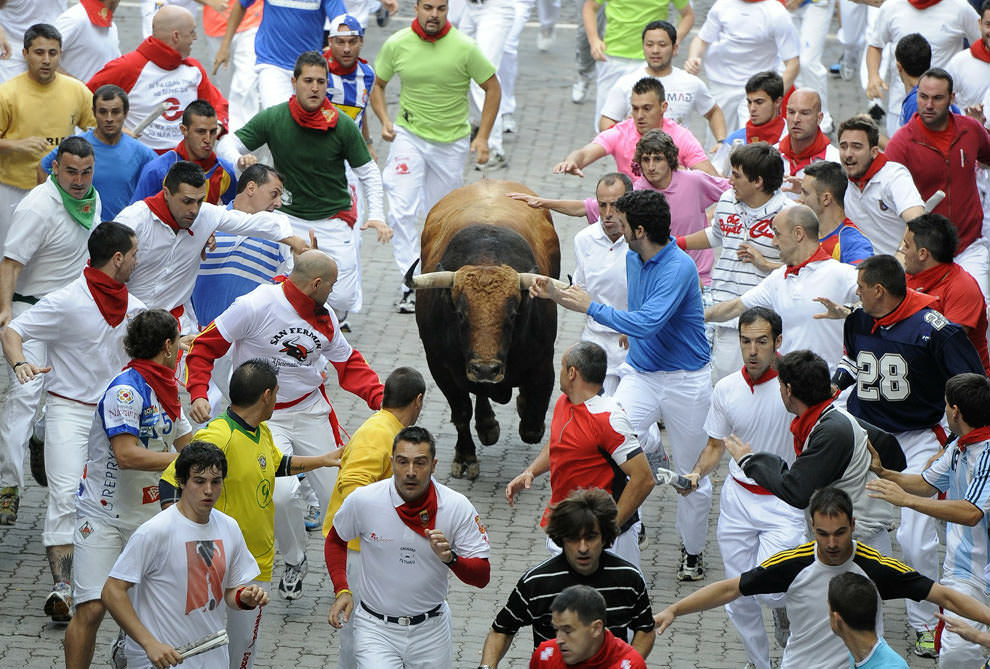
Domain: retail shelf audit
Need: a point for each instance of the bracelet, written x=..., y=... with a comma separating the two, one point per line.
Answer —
x=237, y=599
x=342, y=591
x=453, y=560
x=18, y=364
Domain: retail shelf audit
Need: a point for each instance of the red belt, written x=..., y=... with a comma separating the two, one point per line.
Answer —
x=88, y=404
x=752, y=487
x=334, y=423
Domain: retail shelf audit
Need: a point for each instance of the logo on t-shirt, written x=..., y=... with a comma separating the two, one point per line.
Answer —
x=206, y=564
x=297, y=343
x=547, y=653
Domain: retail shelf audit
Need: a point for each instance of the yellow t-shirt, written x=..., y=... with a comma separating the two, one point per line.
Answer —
x=30, y=109
x=367, y=458
x=252, y=459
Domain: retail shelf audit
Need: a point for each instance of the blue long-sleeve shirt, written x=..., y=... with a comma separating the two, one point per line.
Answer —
x=665, y=321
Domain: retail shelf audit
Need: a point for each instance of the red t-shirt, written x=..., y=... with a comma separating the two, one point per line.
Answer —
x=940, y=139
x=614, y=654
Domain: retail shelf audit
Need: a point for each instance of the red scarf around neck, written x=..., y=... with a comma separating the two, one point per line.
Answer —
x=912, y=303
x=923, y=4
x=802, y=425
x=819, y=254
x=769, y=132
x=110, y=295
x=308, y=310
x=162, y=381
x=323, y=118
x=338, y=69
x=418, y=29
x=159, y=207
x=801, y=160
x=161, y=54
x=870, y=172
x=974, y=436
x=771, y=373
x=421, y=515
x=99, y=15
x=926, y=279
x=980, y=51
x=213, y=170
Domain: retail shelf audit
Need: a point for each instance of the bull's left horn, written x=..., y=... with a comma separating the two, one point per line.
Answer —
x=526, y=280
x=433, y=280
x=407, y=279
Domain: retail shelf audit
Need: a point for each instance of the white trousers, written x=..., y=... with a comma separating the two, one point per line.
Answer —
x=956, y=652
x=243, y=630
x=626, y=545
x=274, y=85
x=417, y=174
x=18, y=405
x=243, y=98
x=751, y=528
x=681, y=399
x=815, y=20
x=976, y=260
x=67, y=427
x=508, y=70
x=726, y=354
x=917, y=534
x=732, y=100
x=337, y=238
x=609, y=72
x=10, y=197
x=347, y=656
x=548, y=12
x=852, y=34
x=382, y=645
x=488, y=23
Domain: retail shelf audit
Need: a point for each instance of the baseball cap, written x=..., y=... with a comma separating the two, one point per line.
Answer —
x=346, y=25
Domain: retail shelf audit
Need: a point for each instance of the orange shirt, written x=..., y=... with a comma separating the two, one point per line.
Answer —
x=215, y=23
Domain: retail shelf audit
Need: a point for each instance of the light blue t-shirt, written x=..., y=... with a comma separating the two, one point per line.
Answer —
x=116, y=168
x=881, y=657
x=289, y=27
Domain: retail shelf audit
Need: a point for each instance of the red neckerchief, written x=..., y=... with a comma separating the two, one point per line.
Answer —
x=110, y=295
x=99, y=15
x=418, y=29
x=211, y=168
x=161, y=54
x=926, y=279
x=323, y=118
x=422, y=515
x=338, y=69
x=974, y=436
x=771, y=373
x=162, y=381
x=158, y=207
x=802, y=425
x=819, y=254
x=769, y=132
x=801, y=160
x=308, y=310
x=980, y=51
x=874, y=167
x=912, y=303
x=923, y=4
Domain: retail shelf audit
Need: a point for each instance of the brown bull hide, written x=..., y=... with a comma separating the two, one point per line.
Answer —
x=485, y=290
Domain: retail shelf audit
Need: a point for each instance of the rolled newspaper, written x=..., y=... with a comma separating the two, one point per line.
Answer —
x=150, y=118
x=934, y=201
x=208, y=642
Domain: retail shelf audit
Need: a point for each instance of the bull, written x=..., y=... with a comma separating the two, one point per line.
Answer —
x=482, y=333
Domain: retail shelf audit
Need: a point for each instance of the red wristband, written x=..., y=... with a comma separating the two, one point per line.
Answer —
x=237, y=600
x=681, y=242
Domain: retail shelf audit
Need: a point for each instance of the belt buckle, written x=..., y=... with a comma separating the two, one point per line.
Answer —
x=405, y=621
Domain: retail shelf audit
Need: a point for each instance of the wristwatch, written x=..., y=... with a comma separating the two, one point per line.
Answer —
x=484, y=666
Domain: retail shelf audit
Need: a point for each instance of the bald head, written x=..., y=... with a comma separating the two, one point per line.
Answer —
x=802, y=216
x=807, y=97
x=175, y=26
x=313, y=264
x=804, y=113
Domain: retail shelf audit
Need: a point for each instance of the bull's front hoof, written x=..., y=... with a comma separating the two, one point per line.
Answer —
x=488, y=431
x=461, y=470
x=532, y=434
x=457, y=469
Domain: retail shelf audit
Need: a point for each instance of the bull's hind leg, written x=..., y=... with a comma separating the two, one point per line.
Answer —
x=485, y=423
x=533, y=401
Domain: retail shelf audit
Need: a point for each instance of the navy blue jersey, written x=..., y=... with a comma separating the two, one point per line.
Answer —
x=900, y=369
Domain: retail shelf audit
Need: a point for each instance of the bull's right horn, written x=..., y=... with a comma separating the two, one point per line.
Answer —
x=433, y=280
x=526, y=280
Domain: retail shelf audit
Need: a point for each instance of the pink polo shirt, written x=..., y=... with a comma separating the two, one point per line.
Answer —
x=620, y=141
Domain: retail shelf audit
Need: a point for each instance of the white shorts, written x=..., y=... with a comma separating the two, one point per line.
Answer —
x=97, y=545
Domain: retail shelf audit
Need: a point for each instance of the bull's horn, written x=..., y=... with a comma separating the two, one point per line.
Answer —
x=433, y=280
x=526, y=280
x=407, y=281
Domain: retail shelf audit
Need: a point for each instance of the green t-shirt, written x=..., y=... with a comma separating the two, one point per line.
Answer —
x=312, y=161
x=625, y=20
x=435, y=76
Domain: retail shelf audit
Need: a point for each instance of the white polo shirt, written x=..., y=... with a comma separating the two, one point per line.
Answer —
x=944, y=24
x=793, y=298
x=970, y=78
x=47, y=241
x=685, y=94
x=84, y=351
x=876, y=210
x=747, y=37
x=400, y=573
x=168, y=262
x=600, y=268
x=85, y=48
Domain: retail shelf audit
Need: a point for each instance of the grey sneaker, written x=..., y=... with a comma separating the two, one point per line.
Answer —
x=407, y=303
x=291, y=584
x=10, y=501
x=924, y=644
x=58, y=606
x=496, y=161
x=781, y=626
x=117, y=658
x=692, y=567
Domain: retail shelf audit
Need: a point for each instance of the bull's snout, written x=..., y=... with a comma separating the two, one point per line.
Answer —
x=485, y=371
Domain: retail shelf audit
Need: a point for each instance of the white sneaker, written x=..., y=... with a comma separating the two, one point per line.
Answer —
x=579, y=91
x=291, y=584
x=495, y=161
x=546, y=38
x=407, y=303
x=508, y=123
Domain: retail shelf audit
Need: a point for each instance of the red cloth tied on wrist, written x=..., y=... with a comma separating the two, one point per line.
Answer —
x=323, y=118
x=110, y=295
x=418, y=29
x=421, y=515
x=162, y=381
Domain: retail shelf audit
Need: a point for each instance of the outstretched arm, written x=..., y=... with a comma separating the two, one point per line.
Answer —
x=709, y=597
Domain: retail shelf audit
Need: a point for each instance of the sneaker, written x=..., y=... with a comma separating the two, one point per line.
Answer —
x=876, y=112
x=495, y=162
x=382, y=16
x=291, y=584
x=508, y=123
x=407, y=303
x=642, y=539
x=924, y=644
x=117, y=658
x=836, y=70
x=848, y=69
x=10, y=500
x=781, y=626
x=546, y=37
x=312, y=519
x=692, y=567
x=579, y=91
x=58, y=606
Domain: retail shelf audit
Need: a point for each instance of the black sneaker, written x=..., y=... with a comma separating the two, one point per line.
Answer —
x=382, y=16
x=692, y=567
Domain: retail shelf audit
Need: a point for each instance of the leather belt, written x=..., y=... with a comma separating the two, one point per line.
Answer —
x=28, y=299
x=405, y=621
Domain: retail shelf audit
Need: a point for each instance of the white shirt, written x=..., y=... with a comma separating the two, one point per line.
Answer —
x=263, y=324
x=47, y=241
x=84, y=351
x=685, y=93
x=400, y=573
x=168, y=262
x=944, y=24
x=180, y=570
x=793, y=298
x=19, y=15
x=970, y=78
x=600, y=268
x=85, y=48
x=746, y=37
x=876, y=210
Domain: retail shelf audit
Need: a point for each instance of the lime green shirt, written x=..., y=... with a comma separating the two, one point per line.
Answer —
x=435, y=76
x=625, y=20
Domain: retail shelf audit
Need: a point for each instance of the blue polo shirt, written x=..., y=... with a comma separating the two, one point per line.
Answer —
x=665, y=321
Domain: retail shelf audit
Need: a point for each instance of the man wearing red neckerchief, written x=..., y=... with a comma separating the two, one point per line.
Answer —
x=89, y=37
x=764, y=100
x=823, y=189
x=970, y=68
x=805, y=142
x=961, y=473
x=414, y=532
x=199, y=129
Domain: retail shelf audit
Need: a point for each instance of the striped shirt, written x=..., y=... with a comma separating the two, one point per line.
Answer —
x=963, y=473
x=350, y=92
x=618, y=581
